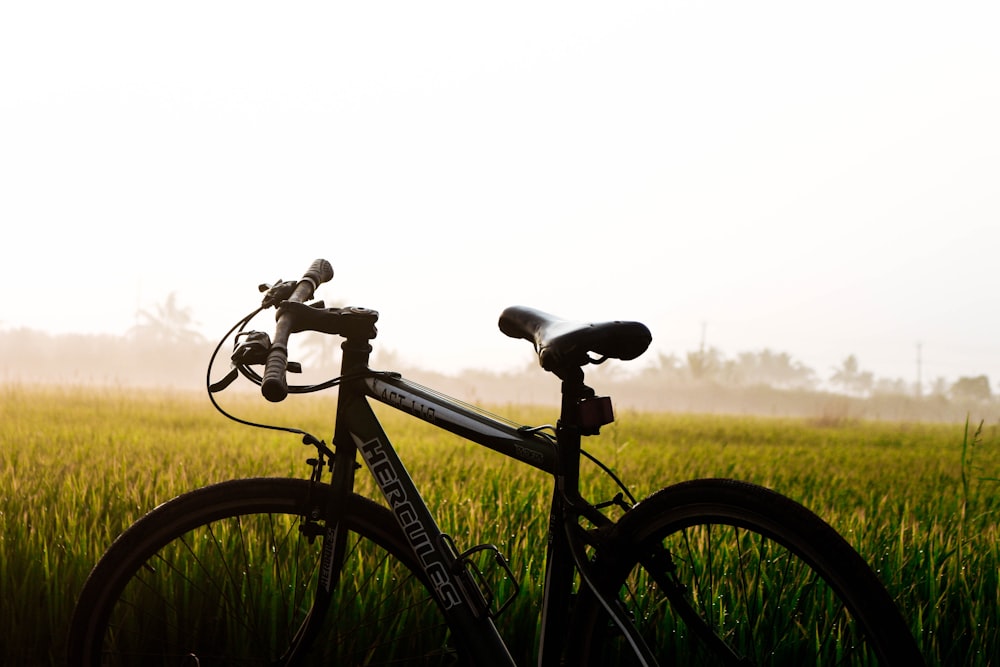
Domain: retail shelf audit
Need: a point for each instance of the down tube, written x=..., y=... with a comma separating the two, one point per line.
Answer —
x=467, y=615
x=467, y=421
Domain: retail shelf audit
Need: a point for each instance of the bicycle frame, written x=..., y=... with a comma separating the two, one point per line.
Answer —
x=358, y=431
x=809, y=553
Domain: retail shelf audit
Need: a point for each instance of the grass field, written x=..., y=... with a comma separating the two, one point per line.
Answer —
x=919, y=501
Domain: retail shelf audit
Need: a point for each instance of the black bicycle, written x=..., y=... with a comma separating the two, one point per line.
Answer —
x=306, y=571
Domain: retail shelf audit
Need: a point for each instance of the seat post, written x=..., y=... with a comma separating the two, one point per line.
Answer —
x=569, y=432
x=582, y=413
x=565, y=499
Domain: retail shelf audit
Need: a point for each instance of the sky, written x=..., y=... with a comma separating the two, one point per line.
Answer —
x=814, y=178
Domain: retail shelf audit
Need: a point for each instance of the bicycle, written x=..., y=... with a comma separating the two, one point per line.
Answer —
x=306, y=571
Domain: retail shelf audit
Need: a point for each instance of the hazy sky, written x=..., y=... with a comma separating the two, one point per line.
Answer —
x=817, y=178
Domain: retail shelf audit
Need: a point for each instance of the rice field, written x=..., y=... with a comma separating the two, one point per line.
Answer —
x=920, y=502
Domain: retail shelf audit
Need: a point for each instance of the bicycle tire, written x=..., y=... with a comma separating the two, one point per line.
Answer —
x=760, y=579
x=224, y=575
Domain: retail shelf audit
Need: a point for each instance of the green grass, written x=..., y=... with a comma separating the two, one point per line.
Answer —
x=919, y=501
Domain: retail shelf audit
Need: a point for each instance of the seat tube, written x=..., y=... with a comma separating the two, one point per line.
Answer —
x=558, y=586
x=558, y=560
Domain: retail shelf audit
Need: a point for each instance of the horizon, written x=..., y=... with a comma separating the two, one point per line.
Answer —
x=729, y=361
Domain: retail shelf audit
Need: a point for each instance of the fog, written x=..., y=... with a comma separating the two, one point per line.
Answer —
x=813, y=180
x=162, y=356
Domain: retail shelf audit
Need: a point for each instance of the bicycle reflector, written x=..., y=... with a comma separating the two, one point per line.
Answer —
x=595, y=412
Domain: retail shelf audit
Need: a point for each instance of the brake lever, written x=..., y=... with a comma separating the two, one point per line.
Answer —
x=254, y=350
x=276, y=293
x=224, y=382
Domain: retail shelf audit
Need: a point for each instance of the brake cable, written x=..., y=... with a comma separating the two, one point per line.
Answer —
x=242, y=369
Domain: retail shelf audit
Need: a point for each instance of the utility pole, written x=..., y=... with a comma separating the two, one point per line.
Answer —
x=920, y=363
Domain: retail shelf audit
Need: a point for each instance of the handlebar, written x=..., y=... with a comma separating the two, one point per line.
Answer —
x=274, y=386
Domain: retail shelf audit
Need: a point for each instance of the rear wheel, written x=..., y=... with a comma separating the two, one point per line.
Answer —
x=717, y=572
x=226, y=575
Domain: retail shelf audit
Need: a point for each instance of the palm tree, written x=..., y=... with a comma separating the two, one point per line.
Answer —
x=168, y=323
x=320, y=348
x=852, y=378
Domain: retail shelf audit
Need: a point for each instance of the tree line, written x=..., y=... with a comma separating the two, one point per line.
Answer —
x=164, y=348
x=781, y=371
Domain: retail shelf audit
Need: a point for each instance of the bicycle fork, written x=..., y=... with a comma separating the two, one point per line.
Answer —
x=334, y=541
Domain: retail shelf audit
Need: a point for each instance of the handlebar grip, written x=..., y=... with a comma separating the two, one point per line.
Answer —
x=274, y=385
x=319, y=272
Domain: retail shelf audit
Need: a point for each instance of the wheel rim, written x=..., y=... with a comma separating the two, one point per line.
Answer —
x=763, y=600
x=226, y=585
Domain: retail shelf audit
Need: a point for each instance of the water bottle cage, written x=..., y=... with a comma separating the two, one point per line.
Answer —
x=499, y=568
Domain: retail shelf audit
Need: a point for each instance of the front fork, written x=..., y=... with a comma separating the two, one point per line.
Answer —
x=332, y=531
x=331, y=560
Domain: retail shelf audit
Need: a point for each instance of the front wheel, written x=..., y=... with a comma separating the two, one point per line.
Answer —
x=227, y=575
x=718, y=572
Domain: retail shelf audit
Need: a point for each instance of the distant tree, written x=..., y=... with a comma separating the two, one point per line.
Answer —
x=387, y=359
x=167, y=323
x=971, y=389
x=670, y=363
x=939, y=387
x=704, y=364
x=887, y=387
x=775, y=369
x=850, y=376
x=319, y=348
x=666, y=366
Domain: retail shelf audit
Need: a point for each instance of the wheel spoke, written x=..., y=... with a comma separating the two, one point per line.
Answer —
x=227, y=581
x=752, y=578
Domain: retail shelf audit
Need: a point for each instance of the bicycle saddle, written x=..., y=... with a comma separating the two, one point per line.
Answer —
x=564, y=344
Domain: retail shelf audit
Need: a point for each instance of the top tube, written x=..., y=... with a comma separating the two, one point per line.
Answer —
x=501, y=435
